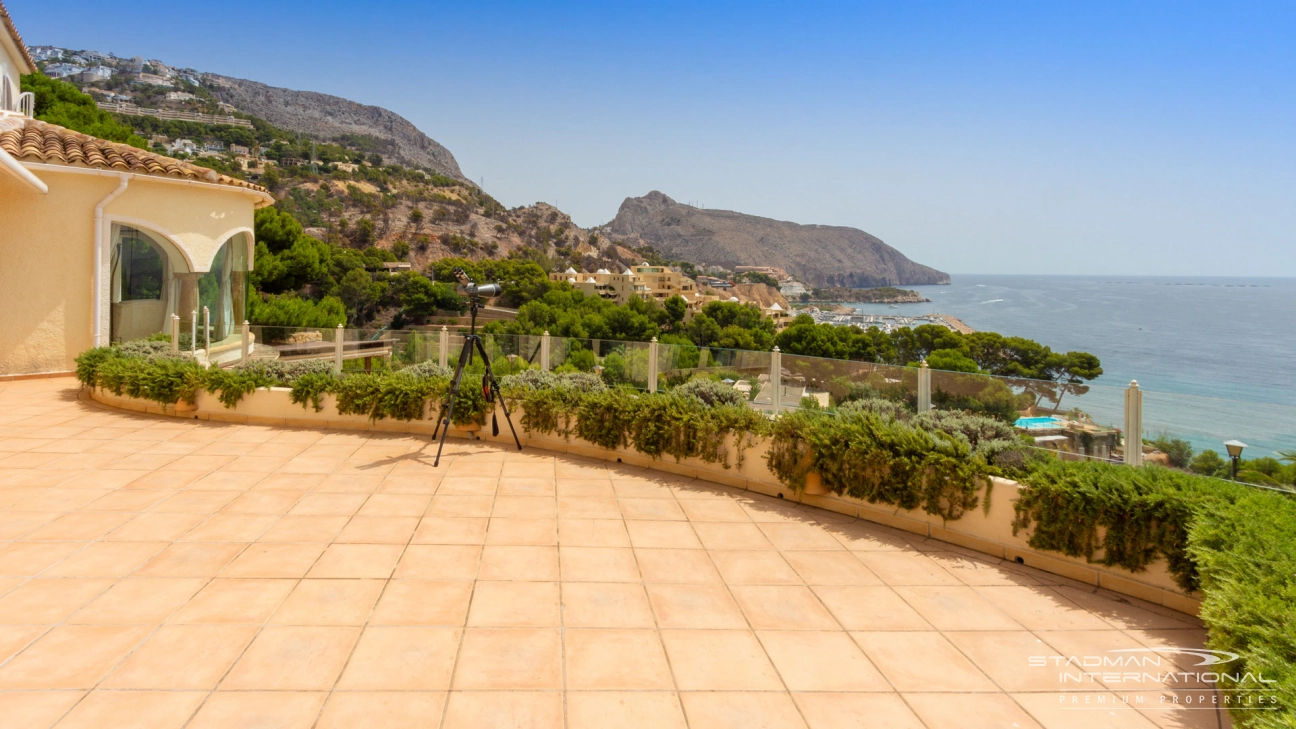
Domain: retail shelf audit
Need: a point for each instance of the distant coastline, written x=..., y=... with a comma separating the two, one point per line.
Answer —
x=878, y=295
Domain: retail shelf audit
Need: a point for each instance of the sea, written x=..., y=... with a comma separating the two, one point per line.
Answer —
x=1216, y=357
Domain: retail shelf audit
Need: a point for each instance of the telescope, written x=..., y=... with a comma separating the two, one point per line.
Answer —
x=486, y=291
x=472, y=341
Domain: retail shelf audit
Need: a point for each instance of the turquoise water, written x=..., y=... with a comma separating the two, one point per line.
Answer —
x=1216, y=355
x=1038, y=423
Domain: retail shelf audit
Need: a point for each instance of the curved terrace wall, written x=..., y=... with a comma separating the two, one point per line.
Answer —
x=984, y=530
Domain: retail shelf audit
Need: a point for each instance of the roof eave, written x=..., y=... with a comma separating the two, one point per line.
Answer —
x=264, y=199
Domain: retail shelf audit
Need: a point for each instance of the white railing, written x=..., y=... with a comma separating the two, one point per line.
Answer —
x=1086, y=418
x=26, y=104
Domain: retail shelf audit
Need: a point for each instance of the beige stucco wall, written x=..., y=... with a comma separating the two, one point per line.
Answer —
x=12, y=64
x=47, y=253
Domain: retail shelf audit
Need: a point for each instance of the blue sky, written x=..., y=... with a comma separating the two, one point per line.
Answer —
x=986, y=137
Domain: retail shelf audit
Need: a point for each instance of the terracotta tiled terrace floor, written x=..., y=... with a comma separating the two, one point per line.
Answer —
x=163, y=573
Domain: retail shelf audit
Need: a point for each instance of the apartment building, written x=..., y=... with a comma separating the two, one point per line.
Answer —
x=644, y=281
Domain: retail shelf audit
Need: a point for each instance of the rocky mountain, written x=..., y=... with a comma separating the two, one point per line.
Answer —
x=328, y=117
x=820, y=255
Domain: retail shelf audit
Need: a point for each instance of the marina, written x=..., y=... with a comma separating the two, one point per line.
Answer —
x=889, y=322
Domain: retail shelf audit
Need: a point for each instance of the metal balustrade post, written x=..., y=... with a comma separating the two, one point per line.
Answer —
x=1133, y=424
x=443, y=345
x=776, y=380
x=246, y=348
x=544, y=351
x=175, y=333
x=339, y=341
x=652, y=365
x=924, y=387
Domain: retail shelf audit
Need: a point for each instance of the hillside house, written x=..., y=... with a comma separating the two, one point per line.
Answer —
x=777, y=274
x=776, y=312
x=92, y=57
x=95, y=74
x=45, y=53
x=792, y=289
x=63, y=70
x=153, y=79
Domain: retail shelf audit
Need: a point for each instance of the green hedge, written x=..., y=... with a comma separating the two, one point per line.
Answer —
x=1127, y=517
x=160, y=377
x=1244, y=545
x=879, y=458
x=679, y=424
x=1234, y=542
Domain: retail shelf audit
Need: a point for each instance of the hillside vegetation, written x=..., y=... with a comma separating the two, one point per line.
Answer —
x=61, y=103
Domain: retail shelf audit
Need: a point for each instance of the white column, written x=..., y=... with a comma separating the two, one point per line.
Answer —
x=544, y=351
x=246, y=349
x=1133, y=424
x=776, y=380
x=339, y=339
x=193, y=333
x=924, y=387
x=443, y=344
x=207, y=331
x=652, y=365
x=175, y=333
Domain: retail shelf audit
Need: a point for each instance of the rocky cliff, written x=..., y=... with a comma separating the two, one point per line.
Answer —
x=327, y=117
x=820, y=255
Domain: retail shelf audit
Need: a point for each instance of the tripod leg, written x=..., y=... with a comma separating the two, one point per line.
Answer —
x=499, y=396
x=444, y=425
x=442, y=418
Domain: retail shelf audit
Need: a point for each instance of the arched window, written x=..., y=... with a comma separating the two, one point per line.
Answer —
x=223, y=289
x=145, y=287
x=142, y=266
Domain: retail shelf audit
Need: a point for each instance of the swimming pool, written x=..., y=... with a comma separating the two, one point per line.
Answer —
x=1039, y=423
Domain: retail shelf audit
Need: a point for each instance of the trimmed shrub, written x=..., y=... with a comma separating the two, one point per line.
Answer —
x=710, y=392
x=1247, y=572
x=430, y=368
x=544, y=380
x=880, y=459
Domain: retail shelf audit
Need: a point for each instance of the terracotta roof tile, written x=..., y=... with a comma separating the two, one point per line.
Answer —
x=13, y=33
x=38, y=141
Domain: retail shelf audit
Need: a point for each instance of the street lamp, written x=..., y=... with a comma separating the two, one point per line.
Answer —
x=1235, y=452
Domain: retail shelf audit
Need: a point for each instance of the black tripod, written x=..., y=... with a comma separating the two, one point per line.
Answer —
x=490, y=385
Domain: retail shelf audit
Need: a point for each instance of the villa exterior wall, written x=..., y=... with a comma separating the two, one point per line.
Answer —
x=47, y=254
